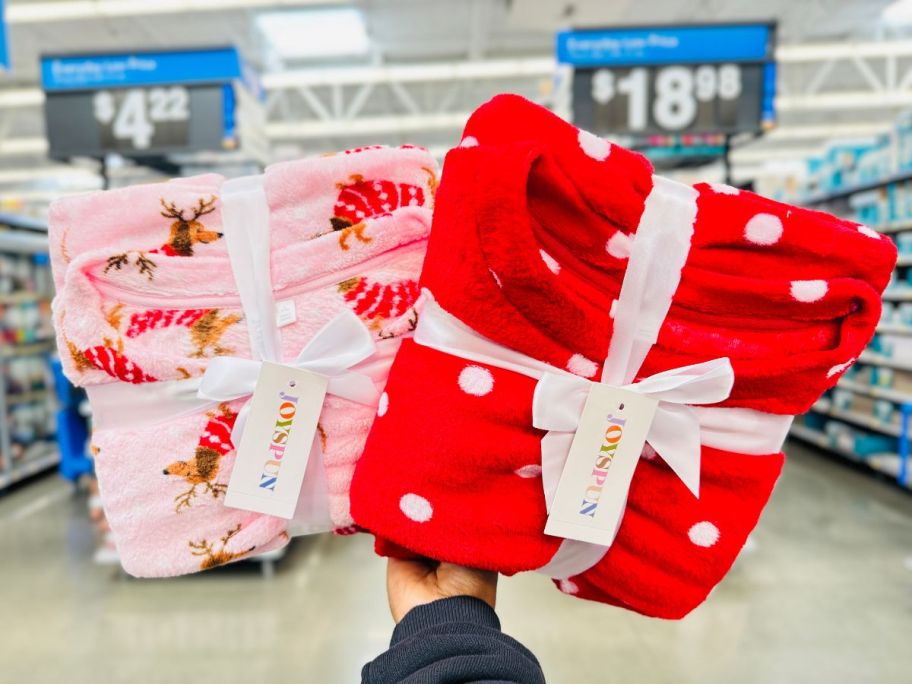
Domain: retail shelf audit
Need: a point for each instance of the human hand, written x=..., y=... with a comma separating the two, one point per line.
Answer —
x=411, y=583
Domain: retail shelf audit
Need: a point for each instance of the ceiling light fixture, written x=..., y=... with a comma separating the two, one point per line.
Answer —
x=315, y=34
x=898, y=13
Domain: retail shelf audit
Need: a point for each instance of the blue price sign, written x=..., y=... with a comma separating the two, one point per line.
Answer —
x=678, y=79
x=666, y=45
x=4, y=43
x=144, y=104
x=93, y=72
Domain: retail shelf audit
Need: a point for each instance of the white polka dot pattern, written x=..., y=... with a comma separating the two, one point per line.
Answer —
x=763, y=229
x=870, y=232
x=568, y=586
x=594, y=146
x=383, y=404
x=469, y=141
x=723, y=189
x=808, y=290
x=704, y=534
x=839, y=368
x=529, y=471
x=619, y=245
x=476, y=381
x=580, y=365
x=550, y=262
x=416, y=508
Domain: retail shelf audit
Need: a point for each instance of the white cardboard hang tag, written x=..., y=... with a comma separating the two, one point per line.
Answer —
x=592, y=493
x=277, y=440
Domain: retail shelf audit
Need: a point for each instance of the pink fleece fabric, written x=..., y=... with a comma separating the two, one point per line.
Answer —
x=146, y=294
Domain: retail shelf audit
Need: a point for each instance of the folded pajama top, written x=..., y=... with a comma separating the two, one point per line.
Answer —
x=147, y=295
x=533, y=228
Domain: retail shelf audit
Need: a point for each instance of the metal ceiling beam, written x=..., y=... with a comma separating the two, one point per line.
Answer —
x=305, y=130
x=411, y=73
x=13, y=98
x=841, y=100
x=15, y=147
x=819, y=52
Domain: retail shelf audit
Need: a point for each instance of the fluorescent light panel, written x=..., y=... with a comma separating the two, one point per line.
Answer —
x=898, y=13
x=55, y=10
x=316, y=33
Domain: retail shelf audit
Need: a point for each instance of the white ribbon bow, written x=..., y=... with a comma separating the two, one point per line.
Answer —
x=337, y=346
x=675, y=431
x=559, y=397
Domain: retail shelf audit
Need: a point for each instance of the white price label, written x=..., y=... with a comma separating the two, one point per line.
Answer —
x=131, y=115
x=668, y=96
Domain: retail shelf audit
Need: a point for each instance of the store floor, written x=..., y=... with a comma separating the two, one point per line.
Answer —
x=822, y=594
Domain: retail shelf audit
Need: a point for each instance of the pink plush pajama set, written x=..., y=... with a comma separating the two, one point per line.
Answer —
x=147, y=280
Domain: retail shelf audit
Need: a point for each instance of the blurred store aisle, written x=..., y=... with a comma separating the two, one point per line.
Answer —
x=796, y=609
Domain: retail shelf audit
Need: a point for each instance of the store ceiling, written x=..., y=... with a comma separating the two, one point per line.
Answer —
x=418, y=33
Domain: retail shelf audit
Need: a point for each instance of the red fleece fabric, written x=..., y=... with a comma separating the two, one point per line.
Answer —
x=532, y=228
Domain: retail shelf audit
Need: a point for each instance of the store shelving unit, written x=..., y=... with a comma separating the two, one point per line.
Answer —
x=893, y=463
x=27, y=427
x=856, y=189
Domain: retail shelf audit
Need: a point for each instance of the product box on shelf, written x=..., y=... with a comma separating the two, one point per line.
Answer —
x=902, y=381
x=904, y=313
x=903, y=134
x=904, y=242
x=898, y=347
x=886, y=411
x=25, y=294
x=842, y=398
x=871, y=208
x=901, y=205
x=859, y=442
x=866, y=405
x=889, y=313
x=814, y=421
x=840, y=161
x=876, y=162
x=27, y=425
x=882, y=376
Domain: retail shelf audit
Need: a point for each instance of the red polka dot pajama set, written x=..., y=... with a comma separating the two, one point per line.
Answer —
x=534, y=225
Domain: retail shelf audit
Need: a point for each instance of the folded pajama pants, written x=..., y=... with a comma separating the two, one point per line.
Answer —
x=147, y=298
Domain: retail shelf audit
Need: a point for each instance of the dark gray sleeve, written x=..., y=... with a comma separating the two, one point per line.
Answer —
x=453, y=640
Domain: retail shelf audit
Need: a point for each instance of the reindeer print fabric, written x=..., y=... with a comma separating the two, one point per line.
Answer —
x=145, y=294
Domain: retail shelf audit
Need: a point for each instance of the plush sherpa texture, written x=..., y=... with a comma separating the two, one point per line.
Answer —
x=146, y=293
x=532, y=230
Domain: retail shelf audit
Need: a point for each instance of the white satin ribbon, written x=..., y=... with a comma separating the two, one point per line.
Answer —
x=559, y=395
x=675, y=431
x=660, y=248
x=339, y=345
